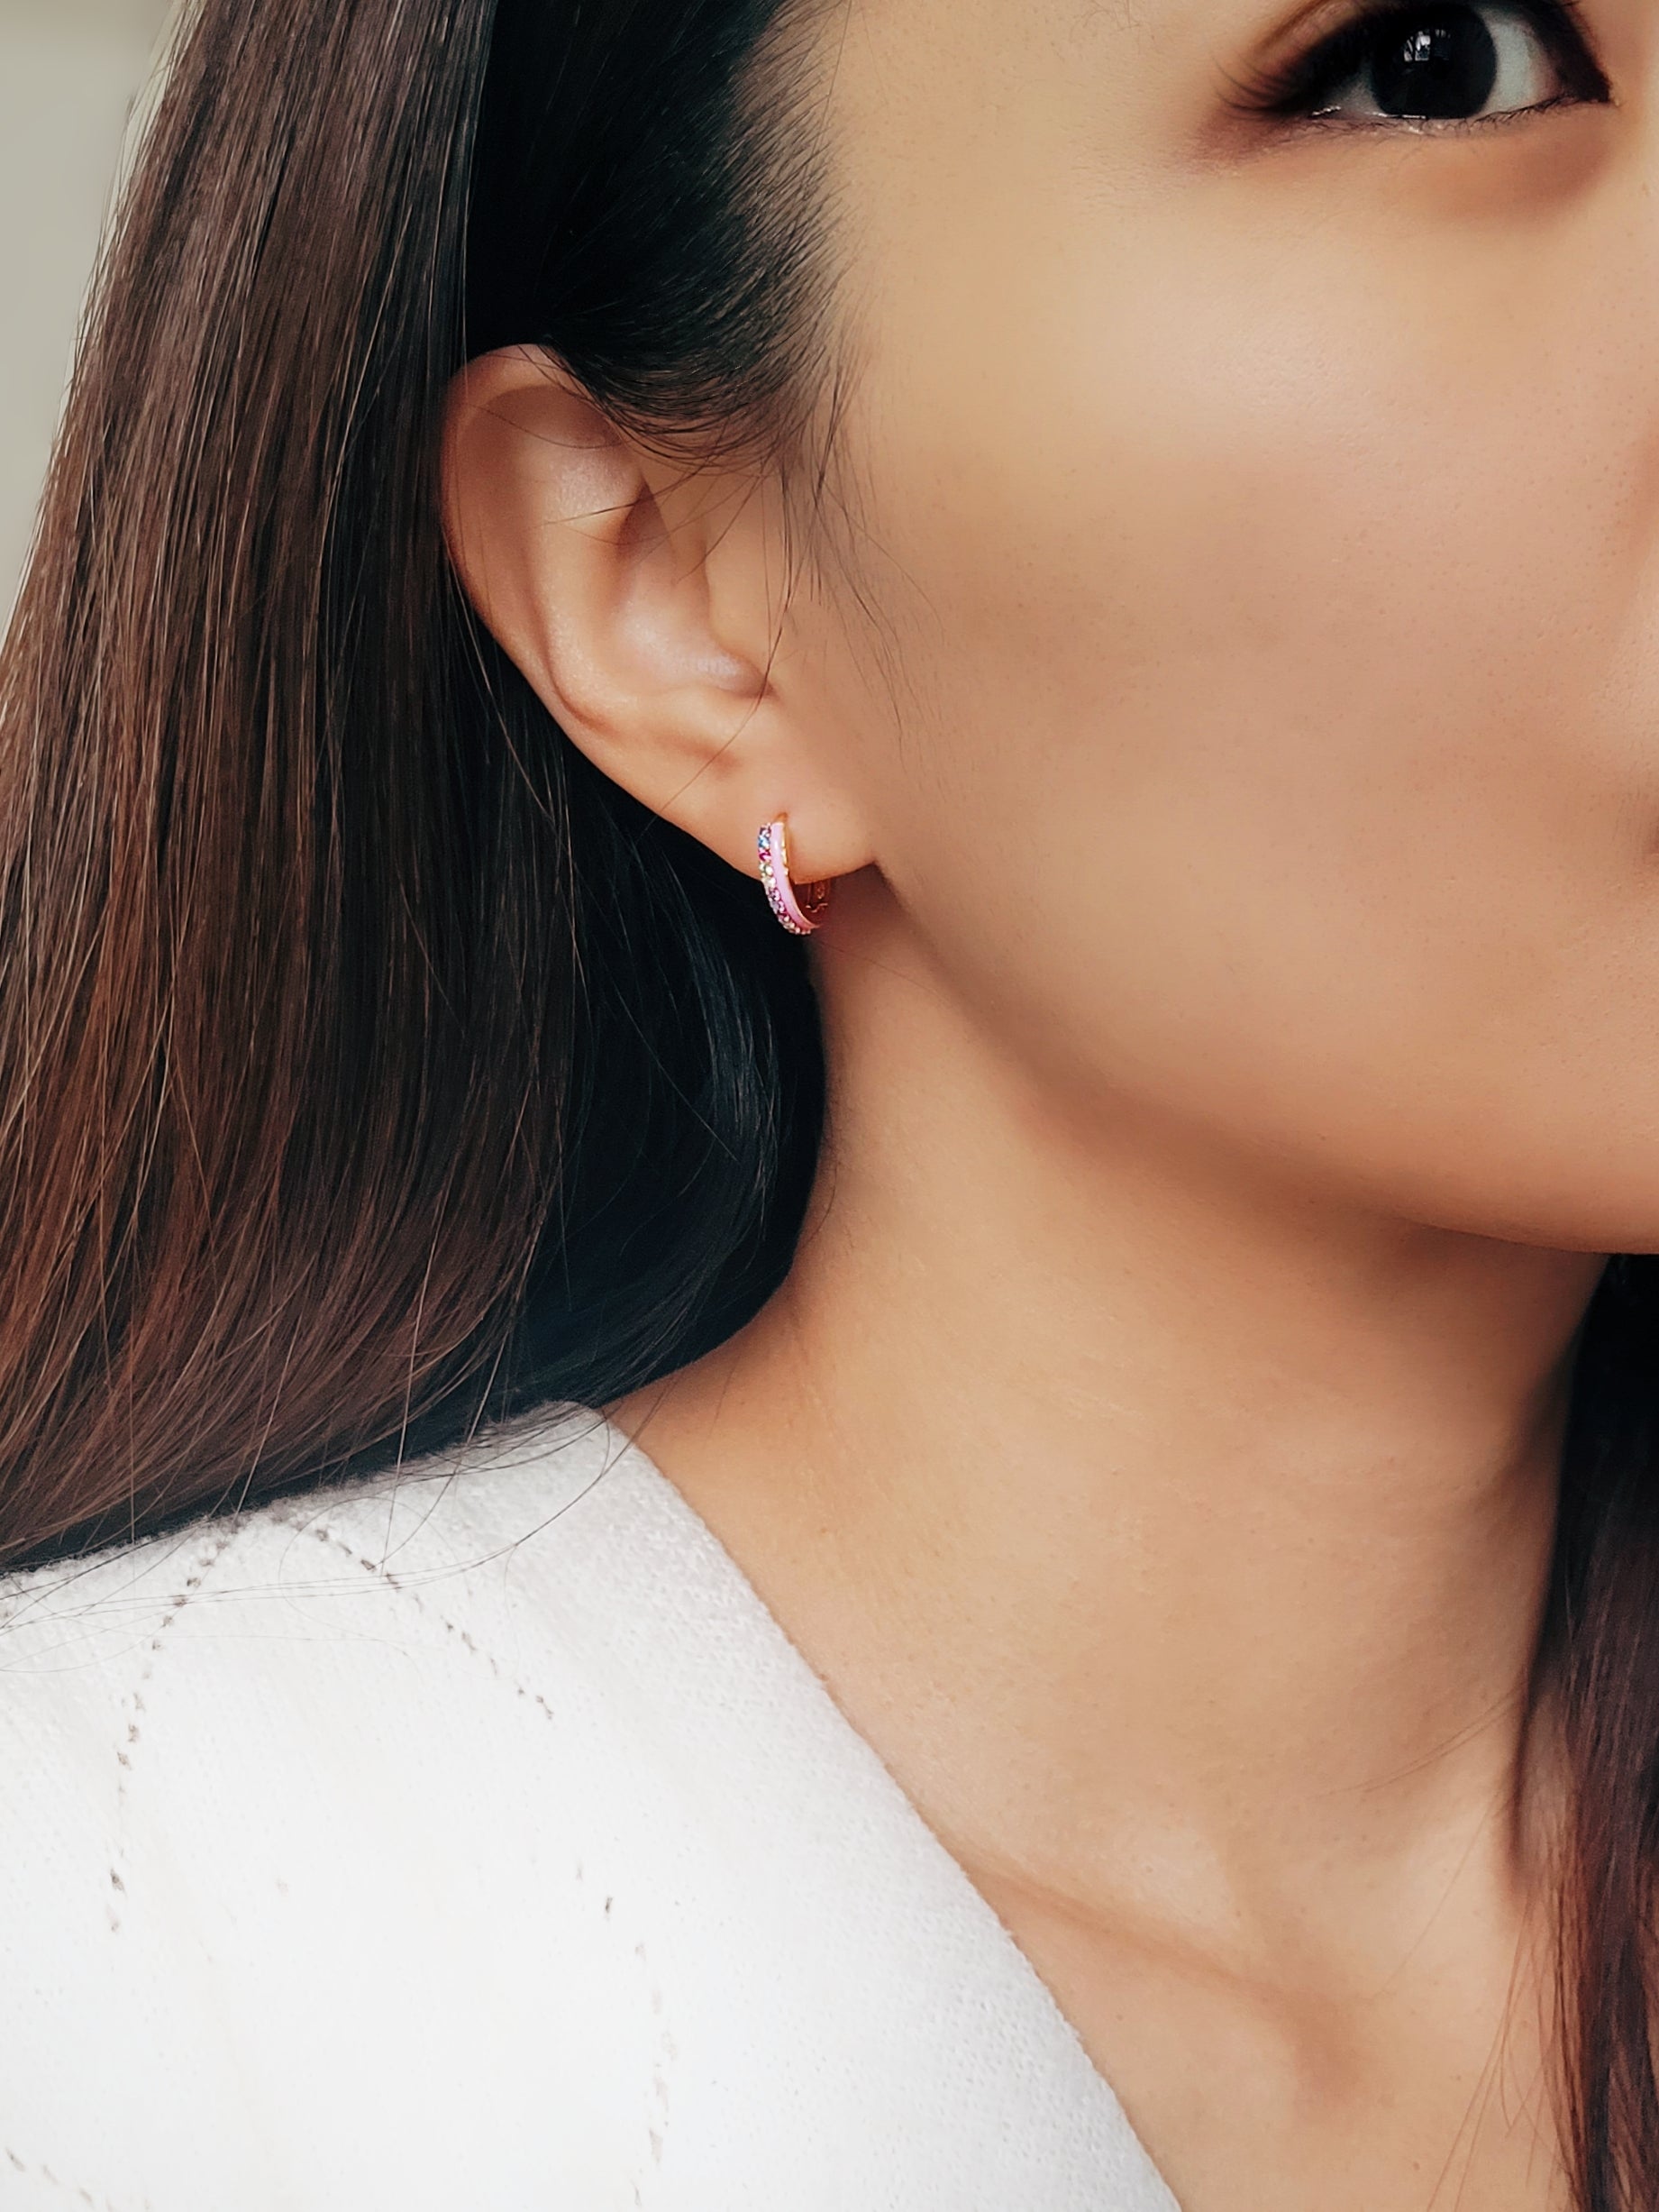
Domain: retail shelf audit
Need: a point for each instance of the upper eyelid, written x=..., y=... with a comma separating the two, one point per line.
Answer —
x=1310, y=29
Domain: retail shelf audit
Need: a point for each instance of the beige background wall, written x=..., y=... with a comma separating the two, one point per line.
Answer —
x=69, y=71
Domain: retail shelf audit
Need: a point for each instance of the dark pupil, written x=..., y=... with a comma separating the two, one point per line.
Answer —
x=1443, y=62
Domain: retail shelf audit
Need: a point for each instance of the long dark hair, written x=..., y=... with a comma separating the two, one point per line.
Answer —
x=369, y=1065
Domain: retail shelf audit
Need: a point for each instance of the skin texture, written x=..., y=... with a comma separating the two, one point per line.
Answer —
x=1224, y=692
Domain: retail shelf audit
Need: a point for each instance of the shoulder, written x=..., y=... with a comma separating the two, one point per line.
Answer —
x=474, y=1836
x=291, y=1795
x=326, y=1600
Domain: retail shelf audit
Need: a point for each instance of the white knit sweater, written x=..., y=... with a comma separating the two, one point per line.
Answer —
x=474, y=1840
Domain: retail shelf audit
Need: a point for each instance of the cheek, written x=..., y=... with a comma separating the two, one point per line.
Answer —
x=1288, y=748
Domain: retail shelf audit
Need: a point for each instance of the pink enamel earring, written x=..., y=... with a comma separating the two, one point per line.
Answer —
x=798, y=911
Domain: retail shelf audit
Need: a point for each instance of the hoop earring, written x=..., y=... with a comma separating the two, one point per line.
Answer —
x=798, y=911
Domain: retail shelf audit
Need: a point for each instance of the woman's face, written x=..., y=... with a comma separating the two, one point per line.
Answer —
x=1262, y=514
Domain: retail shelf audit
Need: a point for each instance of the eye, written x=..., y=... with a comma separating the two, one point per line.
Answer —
x=1459, y=61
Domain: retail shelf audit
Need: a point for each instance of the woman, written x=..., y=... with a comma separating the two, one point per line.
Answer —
x=996, y=1548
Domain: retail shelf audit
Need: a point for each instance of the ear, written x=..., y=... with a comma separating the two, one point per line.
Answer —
x=636, y=598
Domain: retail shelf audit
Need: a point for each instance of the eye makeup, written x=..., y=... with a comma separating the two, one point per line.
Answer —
x=1434, y=63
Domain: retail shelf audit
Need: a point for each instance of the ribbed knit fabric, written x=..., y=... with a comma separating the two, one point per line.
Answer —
x=475, y=1840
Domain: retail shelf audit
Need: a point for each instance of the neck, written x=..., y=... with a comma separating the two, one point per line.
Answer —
x=1141, y=1509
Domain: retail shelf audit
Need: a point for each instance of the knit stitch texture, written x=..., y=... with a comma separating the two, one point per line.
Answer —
x=473, y=1839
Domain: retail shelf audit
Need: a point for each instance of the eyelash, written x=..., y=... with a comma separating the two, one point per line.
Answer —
x=1291, y=91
